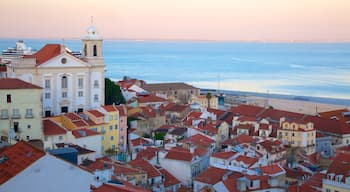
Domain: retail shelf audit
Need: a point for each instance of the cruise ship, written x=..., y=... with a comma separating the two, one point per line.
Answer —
x=19, y=50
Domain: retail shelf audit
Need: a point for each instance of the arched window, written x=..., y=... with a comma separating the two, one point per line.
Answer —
x=85, y=50
x=95, y=51
x=64, y=82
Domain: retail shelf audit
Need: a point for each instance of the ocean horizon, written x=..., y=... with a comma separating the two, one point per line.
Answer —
x=307, y=69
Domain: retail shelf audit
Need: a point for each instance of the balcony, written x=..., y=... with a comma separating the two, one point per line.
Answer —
x=16, y=116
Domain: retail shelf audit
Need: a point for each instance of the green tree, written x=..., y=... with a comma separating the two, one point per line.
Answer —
x=113, y=93
x=208, y=96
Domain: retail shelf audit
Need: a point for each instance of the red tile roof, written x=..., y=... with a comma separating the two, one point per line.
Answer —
x=179, y=155
x=169, y=179
x=240, y=139
x=100, y=164
x=109, y=108
x=224, y=155
x=16, y=158
x=247, y=110
x=246, y=160
x=340, y=166
x=79, y=133
x=3, y=68
x=272, y=169
x=46, y=53
x=52, y=128
x=272, y=146
x=80, y=124
x=211, y=175
x=145, y=166
x=96, y=113
x=199, y=140
x=150, y=99
x=12, y=83
x=139, y=141
x=126, y=187
x=175, y=107
x=126, y=169
x=148, y=153
x=73, y=116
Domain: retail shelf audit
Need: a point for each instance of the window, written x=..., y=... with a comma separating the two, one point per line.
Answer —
x=80, y=83
x=64, y=109
x=111, y=127
x=47, y=84
x=102, y=130
x=95, y=98
x=328, y=190
x=113, y=147
x=95, y=51
x=60, y=137
x=64, y=94
x=28, y=137
x=29, y=113
x=47, y=113
x=64, y=82
x=8, y=98
x=115, y=126
x=103, y=137
x=29, y=126
x=45, y=138
x=292, y=134
x=112, y=138
x=96, y=85
x=80, y=93
x=15, y=113
x=85, y=50
x=115, y=117
x=80, y=110
x=47, y=95
x=4, y=114
x=16, y=126
x=286, y=134
x=110, y=117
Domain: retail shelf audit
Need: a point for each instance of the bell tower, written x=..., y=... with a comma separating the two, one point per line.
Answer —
x=92, y=46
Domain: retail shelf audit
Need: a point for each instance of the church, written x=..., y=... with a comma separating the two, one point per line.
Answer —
x=70, y=83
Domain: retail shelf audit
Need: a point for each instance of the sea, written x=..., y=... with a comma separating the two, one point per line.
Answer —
x=309, y=71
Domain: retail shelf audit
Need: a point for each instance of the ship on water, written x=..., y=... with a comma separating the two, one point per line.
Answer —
x=19, y=50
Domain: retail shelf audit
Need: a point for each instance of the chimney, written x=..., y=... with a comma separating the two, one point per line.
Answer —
x=241, y=184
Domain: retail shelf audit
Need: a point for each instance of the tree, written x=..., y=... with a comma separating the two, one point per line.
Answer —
x=208, y=96
x=113, y=93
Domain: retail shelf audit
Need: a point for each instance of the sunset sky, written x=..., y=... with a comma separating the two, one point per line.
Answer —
x=242, y=20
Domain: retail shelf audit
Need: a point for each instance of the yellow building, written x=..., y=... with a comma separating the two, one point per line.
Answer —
x=203, y=101
x=111, y=133
x=297, y=133
x=20, y=110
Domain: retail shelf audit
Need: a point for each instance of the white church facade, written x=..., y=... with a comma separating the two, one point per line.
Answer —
x=70, y=83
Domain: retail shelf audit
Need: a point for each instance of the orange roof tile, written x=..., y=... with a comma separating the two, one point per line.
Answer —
x=109, y=108
x=16, y=158
x=52, y=128
x=145, y=166
x=169, y=179
x=73, y=116
x=147, y=153
x=199, y=140
x=46, y=53
x=211, y=175
x=224, y=155
x=340, y=165
x=122, y=110
x=150, y=99
x=179, y=155
x=271, y=169
x=79, y=133
x=96, y=113
x=126, y=187
x=13, y=83
x=246, y=160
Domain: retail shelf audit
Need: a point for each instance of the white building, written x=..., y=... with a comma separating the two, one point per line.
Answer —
x=70, y=83
x=38, y=171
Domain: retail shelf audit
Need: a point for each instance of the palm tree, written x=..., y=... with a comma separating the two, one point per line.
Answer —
x=208, y=96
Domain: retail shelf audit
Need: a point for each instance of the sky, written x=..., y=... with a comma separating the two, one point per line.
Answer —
x=237, y=20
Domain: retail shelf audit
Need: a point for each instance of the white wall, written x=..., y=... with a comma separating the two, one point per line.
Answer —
x=179, y=169
x=50, y=174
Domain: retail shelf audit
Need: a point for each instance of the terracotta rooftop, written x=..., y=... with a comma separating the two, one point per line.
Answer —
x=109, y=108
x=199, y=140
x=179, y=155
x=240, y=139
x=96, y=113
x=139, y=141
x=73, y=116
x=224, y=155
x=247, y=110
x=246, y=160
x=211, y=175
x=122, y=110
x=99, y=164
x=79, y=133
x=148, y=153
x=150, y=99
x=52, y=128
x=17, y=158
x=272, y=169
x=46, y=53
x=145, y=166
x=81, y=150
x=12, y=83
x=340, y=166
x=169, y=179
x=125, y=187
